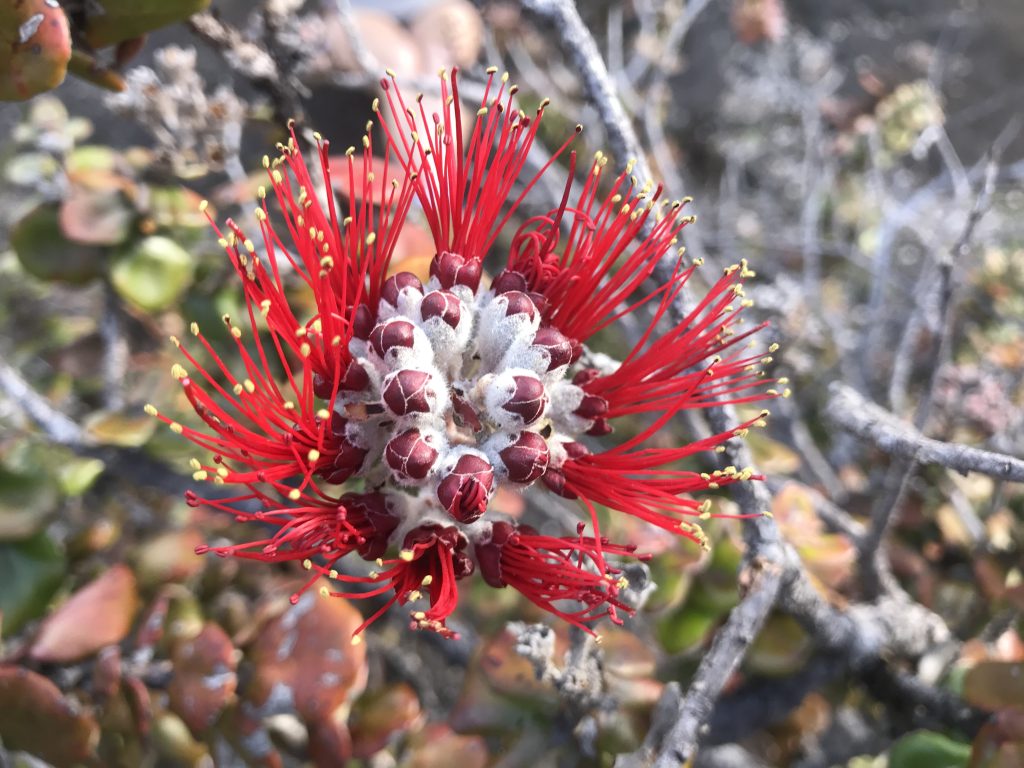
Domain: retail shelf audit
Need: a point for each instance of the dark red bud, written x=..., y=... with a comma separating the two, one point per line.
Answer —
x=462, y=565
x=528, y=400
x=509, y=280
x=584, y=377
x=452, y=269
x=465, y=413
x=489, y=555
x=591, y=407
x=600, y=427
x=349, y=457
x=575, y=450
x=373, y=508
x=394, y=285
x=356, y=379
x=393, y=333
x=465, y=490
x=407, y=392
x=556, y=344
x=526, y=458
x=443, y=304
x=322, y=386
x=409, y=455
x=540, y=301
x=362, y=322
x=554, y=479
x=519, y=304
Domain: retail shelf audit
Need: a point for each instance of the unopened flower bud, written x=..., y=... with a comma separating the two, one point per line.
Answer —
x=322, y=386
x=462, y=565
x=591, y=407
x=451, y=269
x=348, y=458
x=465, y=413
x=489, y=555
x=509, y=280
x=356, y=379
x=410, y=455
x=391, y=334
x=362, y=322
x=443, y=304
x=519, y=304
x=554, y=480
x=394, y=285
x=585, y=376
x=408, y=391
x=600, y=427
x=465, y=490
x=528, y=399
x=373, y=507
x=560, y=348
x=526, y=458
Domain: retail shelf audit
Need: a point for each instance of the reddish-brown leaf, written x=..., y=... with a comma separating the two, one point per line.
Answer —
x=97, y=615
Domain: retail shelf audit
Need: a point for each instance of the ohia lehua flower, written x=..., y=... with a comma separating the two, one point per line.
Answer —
x=381, y=424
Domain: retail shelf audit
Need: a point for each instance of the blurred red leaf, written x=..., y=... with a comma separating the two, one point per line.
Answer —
x=382, y=714
x=97, y=615
x=204, y=679
x=330, y=744
x=36, y=718
x=306, y=653
x=437, y=746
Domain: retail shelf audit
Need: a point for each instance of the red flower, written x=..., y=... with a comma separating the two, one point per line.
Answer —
x=435, y=395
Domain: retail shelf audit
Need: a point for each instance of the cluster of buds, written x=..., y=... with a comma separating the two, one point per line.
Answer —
x=430, y=396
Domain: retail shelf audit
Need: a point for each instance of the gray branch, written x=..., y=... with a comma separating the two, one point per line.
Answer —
x=579, y=45
x=891, y=435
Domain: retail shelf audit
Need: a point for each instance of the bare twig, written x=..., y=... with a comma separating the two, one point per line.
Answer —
x=58, y=427
x=891, y=435
x=679, y=743
x=579, y=45
x=363, y=56
x=958, y=253
x=115, y=350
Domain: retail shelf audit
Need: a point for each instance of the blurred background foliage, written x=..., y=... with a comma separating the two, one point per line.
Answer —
x=837, y=146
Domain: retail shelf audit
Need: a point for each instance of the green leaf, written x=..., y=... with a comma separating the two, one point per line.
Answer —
x=30, y=573
x=77, y=475
x=25, y=500
x=153, y=273
x=927, y=749
x=45, y=253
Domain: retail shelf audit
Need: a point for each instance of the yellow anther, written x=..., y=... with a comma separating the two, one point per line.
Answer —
x=294, y=494
x=150, y=409
x=176, y=428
